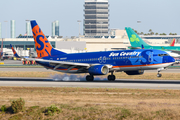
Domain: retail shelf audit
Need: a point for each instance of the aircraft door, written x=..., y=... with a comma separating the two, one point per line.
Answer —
x=150, y=57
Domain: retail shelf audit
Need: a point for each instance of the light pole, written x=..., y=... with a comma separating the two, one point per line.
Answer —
x=6, y=28
x=27, y=35
x=79, y=26
x=27, y=29
x=138, y=27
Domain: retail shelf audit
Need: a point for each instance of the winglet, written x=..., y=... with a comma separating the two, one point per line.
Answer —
x=14, y=52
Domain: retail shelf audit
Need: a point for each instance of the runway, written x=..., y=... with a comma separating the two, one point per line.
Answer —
x=121, y=83
x=128, y=84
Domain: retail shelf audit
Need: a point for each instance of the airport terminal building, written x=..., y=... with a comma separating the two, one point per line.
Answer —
x=84, y=44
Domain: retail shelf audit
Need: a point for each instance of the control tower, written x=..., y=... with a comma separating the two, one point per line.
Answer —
x=96, y=21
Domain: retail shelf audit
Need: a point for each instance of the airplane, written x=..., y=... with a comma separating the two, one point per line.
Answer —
x=136, y=43
x=16, y=55
x=132, y=62
x=14, y=52
x=1, y=53
x=173, y=42
x=24, y=59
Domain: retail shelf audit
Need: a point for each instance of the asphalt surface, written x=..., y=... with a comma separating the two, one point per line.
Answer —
x=130, y=84
x=12, y=62
x=25, y=69
x=53, y=82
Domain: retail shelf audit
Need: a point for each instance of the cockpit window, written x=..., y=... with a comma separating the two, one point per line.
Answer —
x=163, y=55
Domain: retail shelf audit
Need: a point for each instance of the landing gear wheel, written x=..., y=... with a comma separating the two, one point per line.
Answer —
x=159, y=75
x=89, y=78
x=111, y=77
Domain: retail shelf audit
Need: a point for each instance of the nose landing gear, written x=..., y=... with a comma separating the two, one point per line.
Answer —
x=159, y=70
x=111, y=77
x=159, y=75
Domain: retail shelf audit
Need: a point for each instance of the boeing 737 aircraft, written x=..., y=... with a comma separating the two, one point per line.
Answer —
x=136, y=42
x=132, y=62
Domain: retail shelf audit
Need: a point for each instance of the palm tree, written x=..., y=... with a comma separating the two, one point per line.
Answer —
x=152, y=33
x=164, y=33
x=156, y=33
x=135, y=31
x=141, y=33
x=150, y=30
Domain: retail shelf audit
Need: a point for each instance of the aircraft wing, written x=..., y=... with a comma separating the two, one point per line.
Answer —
x=130, y=47
x=174, y=51
x=80, y=67
x=69, y=65
x=62, y=62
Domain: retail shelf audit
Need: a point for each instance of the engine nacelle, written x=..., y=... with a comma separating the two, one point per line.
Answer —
x=137, y=72
x=98, y=70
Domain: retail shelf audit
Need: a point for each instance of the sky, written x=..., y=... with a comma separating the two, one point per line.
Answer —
x=162, y=16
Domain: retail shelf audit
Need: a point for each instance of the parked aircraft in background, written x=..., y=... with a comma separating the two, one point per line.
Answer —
x=173, y=42
x=136, y=43
x=1, y=53
x=132, y=62
x=14, y=52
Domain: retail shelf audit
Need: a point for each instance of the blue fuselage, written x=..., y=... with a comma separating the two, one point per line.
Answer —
x=124, y=60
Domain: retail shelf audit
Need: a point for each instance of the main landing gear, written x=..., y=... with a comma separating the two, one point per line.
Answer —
x=111, y=77
x=89, y=77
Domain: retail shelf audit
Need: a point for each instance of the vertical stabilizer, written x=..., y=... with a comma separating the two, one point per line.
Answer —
x=173, y=42
x=14, y=52
x=42, y=45
x=1, y=53
x=2, y=46
x=134, y=39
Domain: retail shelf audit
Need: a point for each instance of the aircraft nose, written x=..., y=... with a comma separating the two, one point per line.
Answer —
x=171, y=59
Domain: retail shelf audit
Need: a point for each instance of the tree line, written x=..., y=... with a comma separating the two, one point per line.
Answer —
x=150, y=32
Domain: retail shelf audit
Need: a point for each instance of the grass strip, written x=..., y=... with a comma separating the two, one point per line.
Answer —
x=91, y=103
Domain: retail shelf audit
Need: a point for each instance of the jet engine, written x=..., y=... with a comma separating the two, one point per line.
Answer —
x=98, y=70
x=137, y=72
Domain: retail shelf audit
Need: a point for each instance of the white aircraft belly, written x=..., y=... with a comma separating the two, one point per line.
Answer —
x=146, y=67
